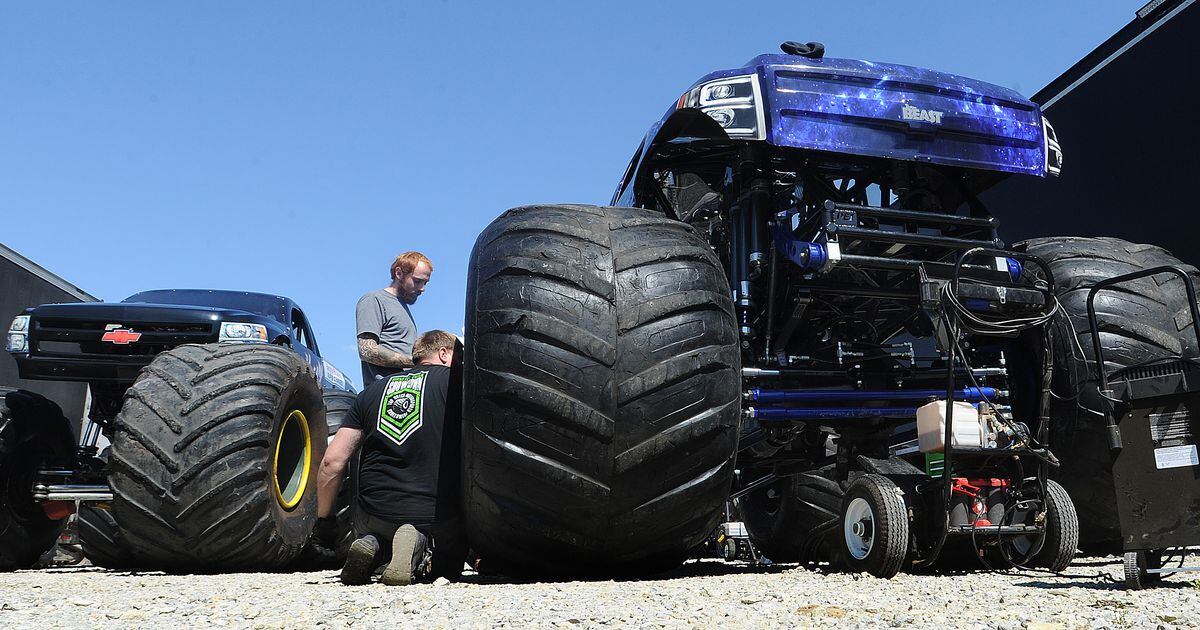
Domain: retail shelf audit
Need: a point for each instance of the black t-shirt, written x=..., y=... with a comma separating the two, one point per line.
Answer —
x=408, y=468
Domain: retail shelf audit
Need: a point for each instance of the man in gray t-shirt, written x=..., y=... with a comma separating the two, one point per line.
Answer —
x=386, y=330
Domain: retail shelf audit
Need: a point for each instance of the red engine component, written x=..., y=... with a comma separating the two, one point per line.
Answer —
x=975, y=493
x=58, y=510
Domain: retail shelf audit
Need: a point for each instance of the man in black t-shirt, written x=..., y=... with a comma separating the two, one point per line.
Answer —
x=408, y=427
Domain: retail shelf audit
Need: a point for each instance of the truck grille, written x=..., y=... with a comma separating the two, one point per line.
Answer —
x=73, y=337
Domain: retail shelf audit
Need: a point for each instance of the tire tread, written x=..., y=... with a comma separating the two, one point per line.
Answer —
x=590, y=443
x=1139, y=320
x=188, y=461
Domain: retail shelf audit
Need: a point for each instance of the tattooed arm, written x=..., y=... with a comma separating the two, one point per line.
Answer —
x=371, y=352
x=333, y=468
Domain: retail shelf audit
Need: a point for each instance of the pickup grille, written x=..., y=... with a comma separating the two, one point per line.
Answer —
x=75, y=338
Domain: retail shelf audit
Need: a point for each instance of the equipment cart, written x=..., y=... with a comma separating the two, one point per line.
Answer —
x=1153, y=416
x=995, y=498
x=992, y=499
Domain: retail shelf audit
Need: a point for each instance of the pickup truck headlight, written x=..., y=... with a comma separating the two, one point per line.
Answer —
x=18, y=334
x=243, y=333
x=1054, y=156
x=735, y=103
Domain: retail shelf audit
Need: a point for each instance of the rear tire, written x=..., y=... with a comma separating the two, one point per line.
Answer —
x=874, y=527
x=315, y=557
x=101, y=538
x=601, y=391
x=1139, y=320
x=1057, y=545
x=337, y=405
x=34, y=433
x=100, y=535
x=795, y=519
x=214, y=458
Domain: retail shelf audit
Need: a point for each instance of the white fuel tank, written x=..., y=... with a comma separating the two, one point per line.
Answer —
x=931, y=426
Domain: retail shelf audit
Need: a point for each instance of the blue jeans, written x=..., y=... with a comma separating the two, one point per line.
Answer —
x=446, y=537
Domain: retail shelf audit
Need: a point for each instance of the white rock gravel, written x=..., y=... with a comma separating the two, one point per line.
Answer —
x=702, y=593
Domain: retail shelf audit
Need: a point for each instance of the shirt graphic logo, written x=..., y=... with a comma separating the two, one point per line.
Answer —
x=400, y=410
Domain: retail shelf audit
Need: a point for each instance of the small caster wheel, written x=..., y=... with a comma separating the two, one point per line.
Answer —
x=730, y=550
x=874, y=526
x=1137, y=564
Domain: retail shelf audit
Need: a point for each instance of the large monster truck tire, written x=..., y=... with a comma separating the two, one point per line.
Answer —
x=214, y=459
x=796, y=518
x=101, y=538
x=100, y=535
x=337, y=405
x=33, y=433
x=601, y=391
x=1139, y=321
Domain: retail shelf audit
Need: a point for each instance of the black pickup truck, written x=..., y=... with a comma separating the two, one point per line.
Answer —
x=217, y=405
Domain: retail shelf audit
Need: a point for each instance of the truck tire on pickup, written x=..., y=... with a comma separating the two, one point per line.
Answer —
x=601, y=392
x=214, y=458
x=1139, y=320
x=27, y=442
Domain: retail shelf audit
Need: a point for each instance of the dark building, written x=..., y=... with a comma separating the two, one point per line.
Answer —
x=24, y=283
x=1125, y=116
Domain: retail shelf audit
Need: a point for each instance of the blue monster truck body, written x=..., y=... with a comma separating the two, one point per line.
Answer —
x=870, y=109
x=841, y=197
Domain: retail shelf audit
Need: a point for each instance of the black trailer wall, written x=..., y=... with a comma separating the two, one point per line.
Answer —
x=24, y=284
x=1127, y=119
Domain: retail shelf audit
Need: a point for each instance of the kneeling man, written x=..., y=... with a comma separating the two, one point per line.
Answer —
x=408, y=427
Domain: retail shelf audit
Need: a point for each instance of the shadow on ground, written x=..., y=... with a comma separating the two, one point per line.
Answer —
x=696, y=568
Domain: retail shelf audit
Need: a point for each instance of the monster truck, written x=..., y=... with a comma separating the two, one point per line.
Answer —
x=217, y=405
x=794, y=261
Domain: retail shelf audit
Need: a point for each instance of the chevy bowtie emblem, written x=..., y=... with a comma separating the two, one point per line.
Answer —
x=120, y=336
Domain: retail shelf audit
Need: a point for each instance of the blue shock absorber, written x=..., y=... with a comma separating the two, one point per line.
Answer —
x=773, y=396
x=808, y=256
x=833, y=413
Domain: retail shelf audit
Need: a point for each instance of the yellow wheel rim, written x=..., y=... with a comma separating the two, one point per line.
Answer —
x=293, y=460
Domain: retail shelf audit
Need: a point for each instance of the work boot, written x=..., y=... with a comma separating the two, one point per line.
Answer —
x=408, y=556
x=360, y=561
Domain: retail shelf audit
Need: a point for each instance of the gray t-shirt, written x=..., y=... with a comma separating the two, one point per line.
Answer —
x=384, y=315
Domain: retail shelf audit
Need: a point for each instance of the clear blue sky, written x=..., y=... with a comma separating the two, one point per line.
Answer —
x=296, y=147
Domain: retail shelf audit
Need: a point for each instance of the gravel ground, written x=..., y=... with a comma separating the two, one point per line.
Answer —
x=701, y=593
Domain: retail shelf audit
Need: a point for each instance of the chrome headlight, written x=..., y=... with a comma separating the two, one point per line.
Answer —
x=18, y=334
x=1054, y=156
x=243, y=333
x=735, y=103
